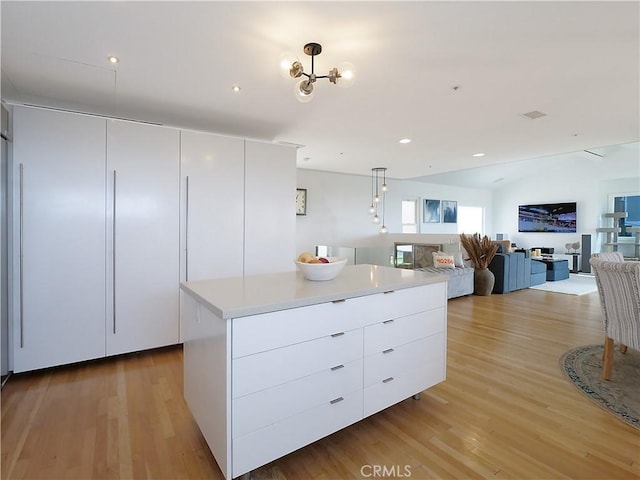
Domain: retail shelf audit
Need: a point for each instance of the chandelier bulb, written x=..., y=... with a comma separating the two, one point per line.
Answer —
x=346, y=75
x=376, y=198
x=372, y=209
x=384, y=229
x=384, y=187
x=376, y=218
x=304, y=91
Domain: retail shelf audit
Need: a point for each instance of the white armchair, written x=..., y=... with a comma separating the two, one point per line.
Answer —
x=619, y=288
x=611, y=256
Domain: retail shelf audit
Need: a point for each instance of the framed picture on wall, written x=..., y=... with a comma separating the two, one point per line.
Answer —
x=431, y=211
x=449, y=211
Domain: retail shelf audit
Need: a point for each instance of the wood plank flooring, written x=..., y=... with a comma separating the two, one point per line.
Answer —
x=505, y=412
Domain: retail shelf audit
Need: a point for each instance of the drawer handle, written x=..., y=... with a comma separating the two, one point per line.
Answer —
x=336, y=400
x=388, y=321
x=339, y=334
x=390, y=291
x=387, y=380
x=337, y=367
x=339, y=301
x=388, y=350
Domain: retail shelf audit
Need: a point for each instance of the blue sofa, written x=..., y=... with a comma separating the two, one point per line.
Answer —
x=512, y=272
x=538, y=273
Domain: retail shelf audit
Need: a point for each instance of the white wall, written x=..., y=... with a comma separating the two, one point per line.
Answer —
x=577, y=177
x=337, y=210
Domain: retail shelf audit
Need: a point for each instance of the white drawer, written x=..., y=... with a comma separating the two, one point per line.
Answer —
x=386, y=393
x=259, y=333
x=395, y=361
x=272, y=442
x=267, y=369
x=407, y=301
x=260, y=409
x=396, y=332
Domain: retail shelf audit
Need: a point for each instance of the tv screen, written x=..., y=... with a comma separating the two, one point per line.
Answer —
x=547, y=217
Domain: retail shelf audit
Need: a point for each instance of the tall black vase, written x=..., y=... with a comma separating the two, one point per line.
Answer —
x=483, y=281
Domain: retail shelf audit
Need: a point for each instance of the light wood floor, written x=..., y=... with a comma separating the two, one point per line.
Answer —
x=505, y=412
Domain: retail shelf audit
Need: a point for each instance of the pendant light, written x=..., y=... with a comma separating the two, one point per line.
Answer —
x=378, y=197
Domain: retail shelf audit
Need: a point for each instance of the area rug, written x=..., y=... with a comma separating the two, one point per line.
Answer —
x=574, y=285
x=621, y=394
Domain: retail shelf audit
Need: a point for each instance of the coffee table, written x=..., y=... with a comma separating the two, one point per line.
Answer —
x=557, y=269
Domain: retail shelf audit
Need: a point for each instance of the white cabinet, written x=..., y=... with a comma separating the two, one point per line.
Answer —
x=261, y=386
x=238, y=206
x=98, y=222
x=212, y=206
x=59, y=238
x=402, y=357
x=143, y=235
x=270, y=215
x=96, y=226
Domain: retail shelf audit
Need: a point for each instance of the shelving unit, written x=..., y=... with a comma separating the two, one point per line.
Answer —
x=636, y=241
x=610, y=243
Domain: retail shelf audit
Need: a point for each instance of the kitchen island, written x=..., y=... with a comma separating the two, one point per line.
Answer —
x=275, y=362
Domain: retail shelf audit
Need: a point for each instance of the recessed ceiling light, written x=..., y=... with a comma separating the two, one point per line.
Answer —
x=113, y=59
x=236, y=88
x=479, y=154
x=405, y=140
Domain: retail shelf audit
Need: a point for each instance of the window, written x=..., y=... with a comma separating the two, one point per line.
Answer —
x=470, y=220
x=631, y=204
x=410, y=215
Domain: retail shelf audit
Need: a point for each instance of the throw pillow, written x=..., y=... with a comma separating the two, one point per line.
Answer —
x=444, y=261
x=457, y=259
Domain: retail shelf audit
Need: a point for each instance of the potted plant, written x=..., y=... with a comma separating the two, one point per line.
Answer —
x=480, y=251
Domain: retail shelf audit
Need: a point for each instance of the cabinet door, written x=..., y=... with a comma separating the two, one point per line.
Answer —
x=143, y=236
x=212, y=212
x=270, y=215
x=59, y=187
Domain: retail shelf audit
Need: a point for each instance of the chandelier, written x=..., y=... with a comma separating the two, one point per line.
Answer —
x=343, y=75
x=378, y=194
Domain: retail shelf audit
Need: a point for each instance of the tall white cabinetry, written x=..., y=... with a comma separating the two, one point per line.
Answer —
x=270, y=216
x=238, y=212
x=143, y=209
x=213, y=206
x=59, y=238
x=96, y=235
x=103, y=217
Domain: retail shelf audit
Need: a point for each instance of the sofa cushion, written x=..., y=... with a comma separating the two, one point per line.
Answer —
x=538, y=267
x=460, y=279
x=503, y=245
x=443, y=261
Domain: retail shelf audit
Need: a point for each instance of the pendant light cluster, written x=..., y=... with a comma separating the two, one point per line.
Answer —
x=378, y=194
x=343, y=75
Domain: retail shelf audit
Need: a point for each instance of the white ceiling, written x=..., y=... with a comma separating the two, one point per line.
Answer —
x=578, y=62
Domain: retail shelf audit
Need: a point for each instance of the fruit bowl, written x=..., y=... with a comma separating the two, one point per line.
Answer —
x=320, y=272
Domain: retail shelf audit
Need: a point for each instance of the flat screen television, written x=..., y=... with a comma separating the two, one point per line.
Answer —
x=547, y=217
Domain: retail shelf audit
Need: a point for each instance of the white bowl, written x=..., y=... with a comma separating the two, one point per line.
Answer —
x=320, y=272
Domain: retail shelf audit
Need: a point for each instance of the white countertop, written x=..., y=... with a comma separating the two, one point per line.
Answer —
x=251, y=295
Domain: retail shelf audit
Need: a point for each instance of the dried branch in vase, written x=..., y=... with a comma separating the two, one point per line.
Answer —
x=480, y=250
